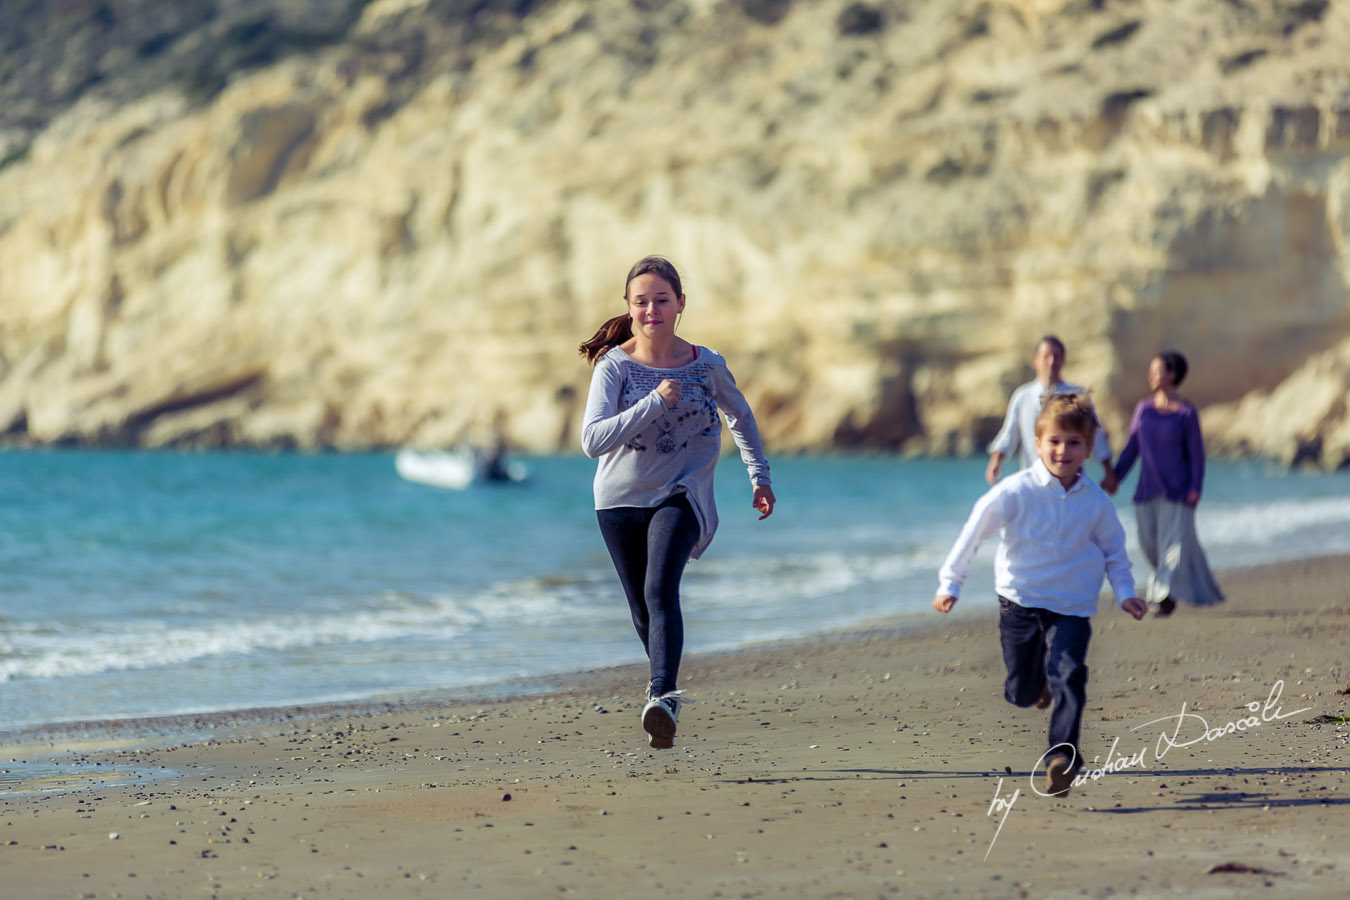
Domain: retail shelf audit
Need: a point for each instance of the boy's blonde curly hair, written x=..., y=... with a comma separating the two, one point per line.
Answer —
x=1072, y=412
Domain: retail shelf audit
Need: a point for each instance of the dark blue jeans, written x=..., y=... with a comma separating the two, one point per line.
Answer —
x=650, y=547
x=1040, y=647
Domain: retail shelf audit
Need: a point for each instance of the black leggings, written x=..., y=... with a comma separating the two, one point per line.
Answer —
x=650, y=546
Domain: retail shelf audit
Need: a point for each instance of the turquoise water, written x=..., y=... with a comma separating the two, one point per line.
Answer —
x=135, y=583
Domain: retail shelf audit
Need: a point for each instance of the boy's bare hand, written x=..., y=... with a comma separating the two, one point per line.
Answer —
x=944, y=602
x=1135, y=607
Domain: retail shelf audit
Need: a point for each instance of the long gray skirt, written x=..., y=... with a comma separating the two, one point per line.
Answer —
x=1180, y=570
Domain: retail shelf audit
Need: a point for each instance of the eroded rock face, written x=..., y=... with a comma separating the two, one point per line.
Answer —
x=397, y=225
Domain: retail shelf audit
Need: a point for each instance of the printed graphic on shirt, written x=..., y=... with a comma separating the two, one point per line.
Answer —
x=694, y=415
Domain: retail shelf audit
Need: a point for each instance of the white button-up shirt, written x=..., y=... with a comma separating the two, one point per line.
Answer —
x=1019, y=425
x=1057, y=544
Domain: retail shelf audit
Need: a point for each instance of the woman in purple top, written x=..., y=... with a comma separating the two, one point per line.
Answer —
x=1165, y=437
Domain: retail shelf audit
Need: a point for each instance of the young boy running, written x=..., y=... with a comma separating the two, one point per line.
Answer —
x=1060, y=536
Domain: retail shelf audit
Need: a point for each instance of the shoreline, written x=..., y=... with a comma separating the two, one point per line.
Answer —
x=86, y=734
x=873, y=762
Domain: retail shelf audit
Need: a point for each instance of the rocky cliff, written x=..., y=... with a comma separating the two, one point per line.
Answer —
x=357, y=224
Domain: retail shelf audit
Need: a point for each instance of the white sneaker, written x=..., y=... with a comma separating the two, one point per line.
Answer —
x=659, y=717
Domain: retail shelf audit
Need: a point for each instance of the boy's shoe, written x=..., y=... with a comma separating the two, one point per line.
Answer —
x=1166, y=606
x=1046, y=698
x=659, y=717
x=1057, y=776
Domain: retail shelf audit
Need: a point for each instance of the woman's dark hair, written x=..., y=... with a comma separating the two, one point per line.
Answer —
x=620, y=328
x=1176, y=366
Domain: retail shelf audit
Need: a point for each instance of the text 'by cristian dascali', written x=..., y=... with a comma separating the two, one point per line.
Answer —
x=1187, y=728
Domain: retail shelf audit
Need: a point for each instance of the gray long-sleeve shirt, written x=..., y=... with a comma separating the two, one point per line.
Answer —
x=649, y=452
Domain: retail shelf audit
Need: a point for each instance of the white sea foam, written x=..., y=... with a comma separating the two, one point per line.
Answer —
x=51, y=650
x=748, y=591
x=1261, y=523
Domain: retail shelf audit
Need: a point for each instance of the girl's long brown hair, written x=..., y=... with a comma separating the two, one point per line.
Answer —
x=611, y=334
x=620, y=328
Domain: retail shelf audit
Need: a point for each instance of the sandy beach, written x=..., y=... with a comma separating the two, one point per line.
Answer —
x=877, y=763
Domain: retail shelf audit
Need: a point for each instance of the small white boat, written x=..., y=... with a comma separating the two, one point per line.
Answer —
x=456, y=469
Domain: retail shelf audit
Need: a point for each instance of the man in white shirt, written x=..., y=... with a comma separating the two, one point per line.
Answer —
x=1019, y=425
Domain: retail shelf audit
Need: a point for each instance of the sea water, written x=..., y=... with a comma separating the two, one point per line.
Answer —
x=152, y=583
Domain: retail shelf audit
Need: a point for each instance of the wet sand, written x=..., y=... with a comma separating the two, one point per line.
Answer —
x=876, y=763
